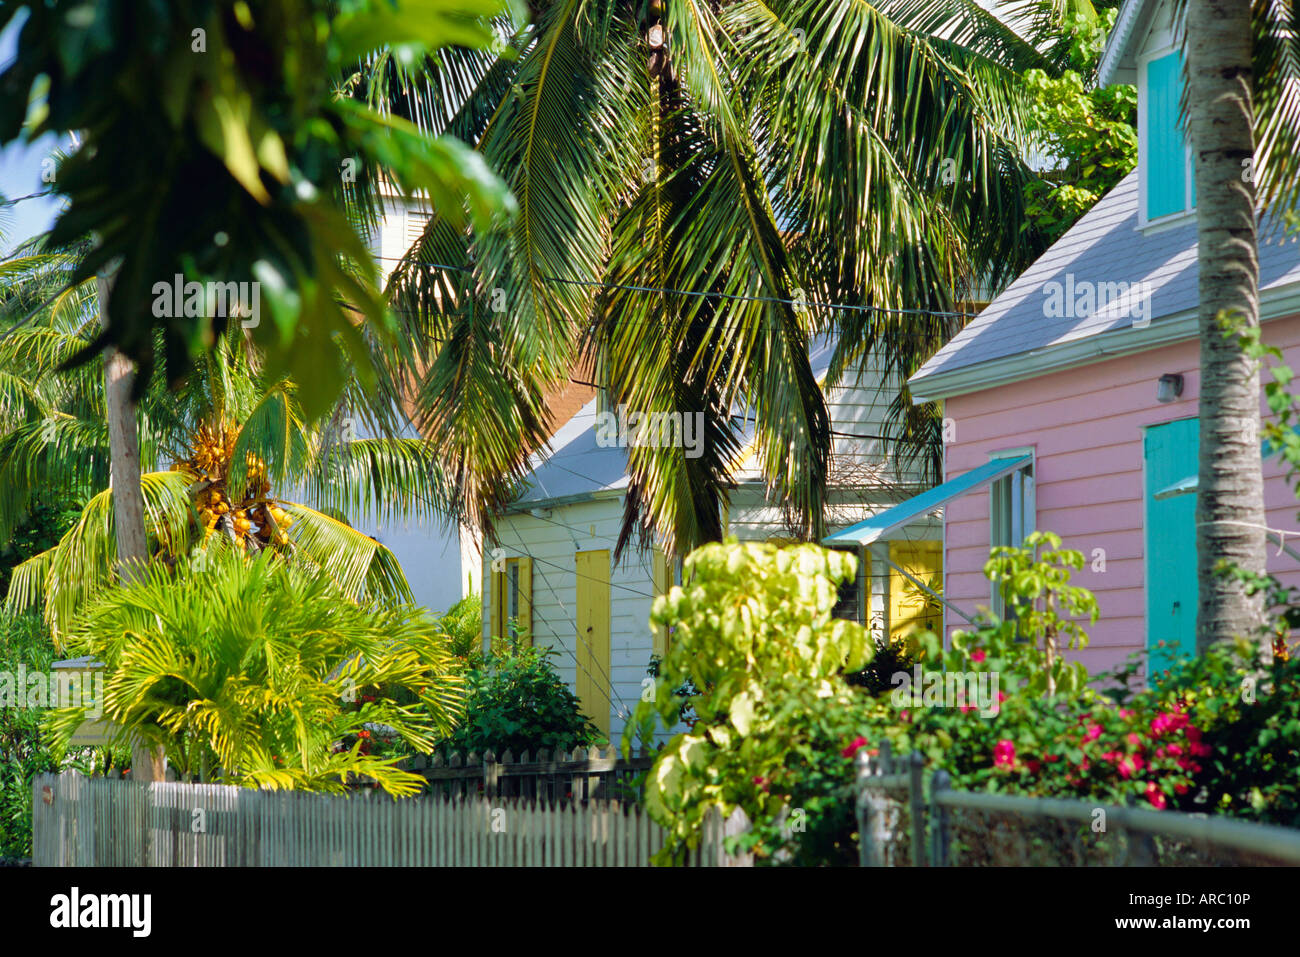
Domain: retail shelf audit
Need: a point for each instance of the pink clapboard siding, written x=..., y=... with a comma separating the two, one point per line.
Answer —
x=1085, y=426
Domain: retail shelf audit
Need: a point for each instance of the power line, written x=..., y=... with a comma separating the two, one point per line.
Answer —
x=18, y=199
x=805, y=303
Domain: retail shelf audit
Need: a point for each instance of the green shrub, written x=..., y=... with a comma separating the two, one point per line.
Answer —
x=262, y=673
x=516, y=702
x=23, y=751
x=754, y=638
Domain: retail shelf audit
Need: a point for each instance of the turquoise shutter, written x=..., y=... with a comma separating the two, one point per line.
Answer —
x=1165, y=162
x=1170, y=453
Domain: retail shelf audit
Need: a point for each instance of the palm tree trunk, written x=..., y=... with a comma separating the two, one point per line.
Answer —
x=1230, y=489
x=128, y=499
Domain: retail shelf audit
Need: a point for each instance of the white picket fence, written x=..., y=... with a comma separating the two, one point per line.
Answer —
x=97, y=822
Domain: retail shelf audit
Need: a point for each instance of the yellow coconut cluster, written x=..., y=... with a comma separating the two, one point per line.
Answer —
x=252, y=512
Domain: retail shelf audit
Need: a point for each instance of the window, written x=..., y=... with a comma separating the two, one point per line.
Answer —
x=1011, y=515
x=851, y=599
x=1166, y=155
x=512, y=599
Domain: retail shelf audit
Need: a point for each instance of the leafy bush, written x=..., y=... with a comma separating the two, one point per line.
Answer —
x=246, y=672
x=778, y=737
x=754, y=636
x=516, y=702
x=23, y=752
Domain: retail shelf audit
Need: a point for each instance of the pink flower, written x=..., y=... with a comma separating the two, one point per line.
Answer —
x=1094, y=732
x=1133, y=739
x=905, y=715
x=1156, y=797
x=854, y=746
x=978, y=655
x=1032, y=766
x=1004, y=753
x=1125, y=713
x=1125, y=769
x=1002, y=696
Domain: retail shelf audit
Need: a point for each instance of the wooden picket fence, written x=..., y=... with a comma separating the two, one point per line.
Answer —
x=98, y=822
x=581, y=775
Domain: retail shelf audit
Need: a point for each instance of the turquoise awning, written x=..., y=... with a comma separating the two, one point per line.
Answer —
x=1184, y=486
x=904, y=513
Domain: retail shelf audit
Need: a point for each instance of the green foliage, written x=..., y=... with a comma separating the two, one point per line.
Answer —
x=516, y=702
x=41, y=529
x=23, y=752
x=1034, y=584
x=462, y=623
x=246, y=672
x=753, y=633
x=1090, y=132
x=240, y=102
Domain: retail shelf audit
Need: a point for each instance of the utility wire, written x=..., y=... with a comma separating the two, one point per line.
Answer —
x=706, y=295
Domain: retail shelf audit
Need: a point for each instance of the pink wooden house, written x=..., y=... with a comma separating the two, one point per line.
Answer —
x=1071, y=401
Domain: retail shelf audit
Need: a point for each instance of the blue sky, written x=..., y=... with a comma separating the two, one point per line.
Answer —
x=20, y=174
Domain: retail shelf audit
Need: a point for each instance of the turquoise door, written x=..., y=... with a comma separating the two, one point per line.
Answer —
x=1169, y=451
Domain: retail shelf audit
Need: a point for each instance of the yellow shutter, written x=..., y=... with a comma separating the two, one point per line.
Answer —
x=910, y=609
x=663, y=583
x=525, y=620
x=592, y=608
x=496, y=593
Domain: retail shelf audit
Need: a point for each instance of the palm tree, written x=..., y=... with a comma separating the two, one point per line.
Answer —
x=237, y=443
x=256, y=672
x=695, y=181
x=1230, y=489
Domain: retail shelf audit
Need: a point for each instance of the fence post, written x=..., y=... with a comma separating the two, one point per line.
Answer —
x=940, y=782
x=863, y=767
x=1140, y=847
x=916, y=764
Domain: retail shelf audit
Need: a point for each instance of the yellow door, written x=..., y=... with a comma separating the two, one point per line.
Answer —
x=593, y=636
x=910, y=608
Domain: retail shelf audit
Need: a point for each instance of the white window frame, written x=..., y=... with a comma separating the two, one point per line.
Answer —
x=1024, y=503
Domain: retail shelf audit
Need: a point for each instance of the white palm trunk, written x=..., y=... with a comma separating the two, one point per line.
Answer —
x=1230, y=499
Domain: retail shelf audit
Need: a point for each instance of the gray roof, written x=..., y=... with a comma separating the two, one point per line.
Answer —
x=1105, y=246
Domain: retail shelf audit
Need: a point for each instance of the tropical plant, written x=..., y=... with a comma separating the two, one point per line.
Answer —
x=246, y=101
x=755, y=638
x=696, y=182
x=1088, y=133
x=516, y=702
x=223, y=452
x=244, y=671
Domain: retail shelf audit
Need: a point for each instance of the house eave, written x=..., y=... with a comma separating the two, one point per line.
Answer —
x=1168, y=330
x=1118, y=65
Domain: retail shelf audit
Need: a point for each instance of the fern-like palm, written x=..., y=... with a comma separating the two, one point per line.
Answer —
x=263, y=673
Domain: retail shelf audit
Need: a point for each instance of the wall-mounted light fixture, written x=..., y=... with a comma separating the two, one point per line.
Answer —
x=1169, y=387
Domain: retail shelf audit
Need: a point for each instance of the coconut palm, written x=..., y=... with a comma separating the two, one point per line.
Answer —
x=265, y=673
x=223, y=454
x=695, y=181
